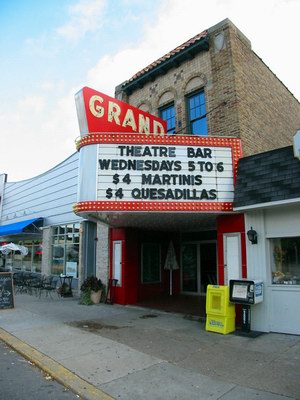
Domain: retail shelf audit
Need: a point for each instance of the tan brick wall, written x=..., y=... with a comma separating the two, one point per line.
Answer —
x=244, y=98
x=269, y=114
x=174, y=85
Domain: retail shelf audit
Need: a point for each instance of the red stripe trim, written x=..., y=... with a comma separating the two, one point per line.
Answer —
x=132, y=206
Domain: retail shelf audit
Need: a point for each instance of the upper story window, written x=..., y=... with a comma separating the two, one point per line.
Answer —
x=168, y=114
x=197, y=114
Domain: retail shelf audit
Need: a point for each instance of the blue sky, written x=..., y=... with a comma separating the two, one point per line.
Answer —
x=50, y=49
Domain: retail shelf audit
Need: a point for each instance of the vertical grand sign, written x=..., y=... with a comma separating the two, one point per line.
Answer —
x=98, y=112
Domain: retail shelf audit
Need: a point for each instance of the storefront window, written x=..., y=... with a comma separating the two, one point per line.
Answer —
x=37, y=252
x=65, y=250
x=285, y=260
x=31, y=262
x=151, y=262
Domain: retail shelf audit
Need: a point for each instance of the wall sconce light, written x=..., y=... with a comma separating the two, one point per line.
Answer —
x=252, y=236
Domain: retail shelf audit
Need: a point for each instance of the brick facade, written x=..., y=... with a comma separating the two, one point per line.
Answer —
x=46, y=256
x=244, y=98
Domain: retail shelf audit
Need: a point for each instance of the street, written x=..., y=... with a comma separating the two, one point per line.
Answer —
x=20, y=379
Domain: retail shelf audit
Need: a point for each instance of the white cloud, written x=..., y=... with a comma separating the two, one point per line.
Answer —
x=57, y=86
x=85, y=16
x=32, y=104
x=37, y=135
x=40, y=132
x=178, y=21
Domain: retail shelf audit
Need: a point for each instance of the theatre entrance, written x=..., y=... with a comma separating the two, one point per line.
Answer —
x=197, y=269
x=145, y=277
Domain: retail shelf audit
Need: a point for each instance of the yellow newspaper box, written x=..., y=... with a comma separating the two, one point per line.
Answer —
x=220, y=312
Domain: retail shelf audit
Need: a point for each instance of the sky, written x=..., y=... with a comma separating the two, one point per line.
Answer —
x=50, y=49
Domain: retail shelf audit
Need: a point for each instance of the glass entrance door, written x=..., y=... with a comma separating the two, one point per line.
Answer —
x=199, y=266
x=190, y=268
x=208, y=265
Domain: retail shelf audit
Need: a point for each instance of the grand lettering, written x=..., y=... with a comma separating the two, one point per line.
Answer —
x=112, y=111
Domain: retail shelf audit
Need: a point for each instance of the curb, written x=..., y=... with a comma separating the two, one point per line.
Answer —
x=57, y=371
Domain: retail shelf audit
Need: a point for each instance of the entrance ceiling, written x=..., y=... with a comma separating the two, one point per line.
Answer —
x=157, y=221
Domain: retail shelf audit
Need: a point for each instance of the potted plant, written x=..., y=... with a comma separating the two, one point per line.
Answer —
x=91, y=290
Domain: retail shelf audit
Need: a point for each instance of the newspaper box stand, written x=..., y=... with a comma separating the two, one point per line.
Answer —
x=246, y=292
x=220, y=313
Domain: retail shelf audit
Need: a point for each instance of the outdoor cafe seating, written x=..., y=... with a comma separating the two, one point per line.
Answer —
x=34, y=283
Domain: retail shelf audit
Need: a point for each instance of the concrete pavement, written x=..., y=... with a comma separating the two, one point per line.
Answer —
x=110, y=351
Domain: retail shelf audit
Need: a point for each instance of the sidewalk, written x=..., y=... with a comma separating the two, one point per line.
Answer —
x=130, y=353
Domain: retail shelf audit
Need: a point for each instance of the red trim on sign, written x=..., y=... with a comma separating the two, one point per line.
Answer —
x=142, y=138
x=132, y=206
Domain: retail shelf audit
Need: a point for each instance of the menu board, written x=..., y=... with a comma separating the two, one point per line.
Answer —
x=6, y=290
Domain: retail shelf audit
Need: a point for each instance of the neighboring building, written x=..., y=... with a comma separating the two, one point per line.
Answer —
x=268, y=193
x=38, y=213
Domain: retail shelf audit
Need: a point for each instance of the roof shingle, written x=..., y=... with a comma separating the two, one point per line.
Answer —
x=267, y=177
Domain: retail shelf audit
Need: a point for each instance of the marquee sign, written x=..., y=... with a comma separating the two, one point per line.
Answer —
x=98, y=112
x=155, y=173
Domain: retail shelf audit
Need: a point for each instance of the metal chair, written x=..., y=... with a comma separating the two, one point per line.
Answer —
x=36, y=284
x=49, y=285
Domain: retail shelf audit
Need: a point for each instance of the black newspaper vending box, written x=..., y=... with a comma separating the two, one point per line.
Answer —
x=245, y=292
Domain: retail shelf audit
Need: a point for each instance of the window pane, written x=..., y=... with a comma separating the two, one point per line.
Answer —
x=285, y=260
x=197, y=114
x=72, y=258
x=150, y=262
x=189, y=268
x=57, y=260
x=17, y=259
x=168, y=114
x=199, y=127
x=27, y=259
x=37, y=258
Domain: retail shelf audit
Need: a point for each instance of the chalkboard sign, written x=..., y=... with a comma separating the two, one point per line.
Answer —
x=6, y=290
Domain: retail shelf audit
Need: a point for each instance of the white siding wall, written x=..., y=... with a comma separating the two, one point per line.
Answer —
x=50, y=195
x=279, y=312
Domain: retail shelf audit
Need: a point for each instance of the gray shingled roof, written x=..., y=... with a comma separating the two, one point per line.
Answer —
x=267, y=177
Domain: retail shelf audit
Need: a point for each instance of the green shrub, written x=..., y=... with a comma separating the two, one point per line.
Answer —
x=85, y=298
x=91, y=283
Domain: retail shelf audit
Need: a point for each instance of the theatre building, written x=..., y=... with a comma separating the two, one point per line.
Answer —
x=148, y=198
x=167, y=198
